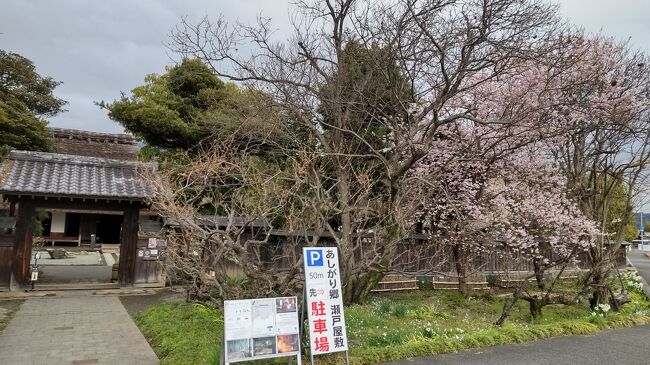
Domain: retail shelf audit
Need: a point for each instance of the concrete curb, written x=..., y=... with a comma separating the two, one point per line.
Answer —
x=75, y=293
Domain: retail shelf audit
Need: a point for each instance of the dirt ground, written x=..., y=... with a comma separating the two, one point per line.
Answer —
x=137, y=303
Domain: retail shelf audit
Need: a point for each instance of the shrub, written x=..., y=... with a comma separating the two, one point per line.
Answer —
x=632, y=282
x=399, y=311
x=491, y=279
x=384, y=306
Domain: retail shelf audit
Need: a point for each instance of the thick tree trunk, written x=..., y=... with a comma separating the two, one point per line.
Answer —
x=600, y=292
x=357, y=288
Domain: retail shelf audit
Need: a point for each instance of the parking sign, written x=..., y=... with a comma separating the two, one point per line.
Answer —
x=324, y=300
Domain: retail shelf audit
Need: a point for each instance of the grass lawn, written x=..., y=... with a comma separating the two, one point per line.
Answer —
x=8, y=309
x=393, y=326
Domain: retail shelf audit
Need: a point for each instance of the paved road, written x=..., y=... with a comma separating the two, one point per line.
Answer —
x=628, y=346
x=77, y=330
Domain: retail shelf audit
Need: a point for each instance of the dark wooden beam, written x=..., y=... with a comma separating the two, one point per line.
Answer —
x=23, y=243
x=129, y=245
x=77, y=204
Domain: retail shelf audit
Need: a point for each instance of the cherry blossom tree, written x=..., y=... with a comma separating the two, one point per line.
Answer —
x=584, y=103
x=477, y=198
x=607, y=148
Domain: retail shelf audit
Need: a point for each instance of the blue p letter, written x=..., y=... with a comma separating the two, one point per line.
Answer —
x=314, y=258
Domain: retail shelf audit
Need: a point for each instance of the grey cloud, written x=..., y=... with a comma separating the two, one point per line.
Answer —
x=100, y=48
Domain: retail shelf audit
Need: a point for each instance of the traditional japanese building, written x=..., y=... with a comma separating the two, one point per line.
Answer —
x=92, y=190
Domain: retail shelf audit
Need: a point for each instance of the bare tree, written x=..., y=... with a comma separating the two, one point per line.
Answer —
x=220, y=205
x=436, y=48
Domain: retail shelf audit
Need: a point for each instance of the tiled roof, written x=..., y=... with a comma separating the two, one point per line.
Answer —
x=52, y=174
x=223, y=221
x=116, y=146
x=91, y=136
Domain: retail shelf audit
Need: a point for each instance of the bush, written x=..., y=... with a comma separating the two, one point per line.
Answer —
x=399, y=311
x=632, y=282
x=384, y=306
x=491, y=279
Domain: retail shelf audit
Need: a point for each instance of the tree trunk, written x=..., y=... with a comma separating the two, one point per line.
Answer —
x=536, y=306
x=600, y=292
x=357, y=288
x=462, y=268
x=508, y=306
x=539, y=274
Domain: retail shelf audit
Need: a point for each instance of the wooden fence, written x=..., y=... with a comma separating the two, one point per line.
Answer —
x=415, y=255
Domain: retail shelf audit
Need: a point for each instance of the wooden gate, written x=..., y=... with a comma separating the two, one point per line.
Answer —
x=6, y=256
x=149, y=268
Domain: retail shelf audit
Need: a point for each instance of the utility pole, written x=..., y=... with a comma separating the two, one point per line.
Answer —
x=641, y=231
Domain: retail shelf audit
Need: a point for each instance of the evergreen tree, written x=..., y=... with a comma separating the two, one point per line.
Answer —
x=25, y=98
x=188, y=106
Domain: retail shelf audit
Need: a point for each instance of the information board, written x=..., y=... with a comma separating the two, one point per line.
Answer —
x=260, y=329
x=324, y=300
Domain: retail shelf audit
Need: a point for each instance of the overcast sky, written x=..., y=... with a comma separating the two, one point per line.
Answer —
x=100, y=48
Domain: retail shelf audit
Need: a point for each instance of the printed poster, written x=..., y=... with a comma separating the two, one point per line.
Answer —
x=261, y=328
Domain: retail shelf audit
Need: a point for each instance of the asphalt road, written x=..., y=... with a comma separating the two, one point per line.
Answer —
x=629, y=346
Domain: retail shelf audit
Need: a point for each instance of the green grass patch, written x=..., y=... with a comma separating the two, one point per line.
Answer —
x=395, y=326
x=182, y=333
x=9, y=309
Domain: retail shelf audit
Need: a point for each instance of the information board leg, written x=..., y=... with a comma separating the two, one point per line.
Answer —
x=302, y=317
x=222, y=355
x=347, y=358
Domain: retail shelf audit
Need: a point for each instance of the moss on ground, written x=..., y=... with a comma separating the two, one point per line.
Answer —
x=8, y=311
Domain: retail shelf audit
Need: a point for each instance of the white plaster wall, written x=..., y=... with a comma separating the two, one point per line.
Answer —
x=58, y=222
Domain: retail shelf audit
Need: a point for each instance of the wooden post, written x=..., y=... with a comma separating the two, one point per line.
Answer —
x=23, y=240
x=12, y=209
x=129, y=245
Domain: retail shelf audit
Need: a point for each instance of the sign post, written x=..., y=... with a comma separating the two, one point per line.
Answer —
x=263, y=328
x=34, y=269
x=324, y=302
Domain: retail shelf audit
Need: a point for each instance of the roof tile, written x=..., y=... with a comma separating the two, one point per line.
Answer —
x=52, y=174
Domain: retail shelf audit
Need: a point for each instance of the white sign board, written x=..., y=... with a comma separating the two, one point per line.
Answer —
x=152, y=243
x=261, y=329
x=324, y=300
